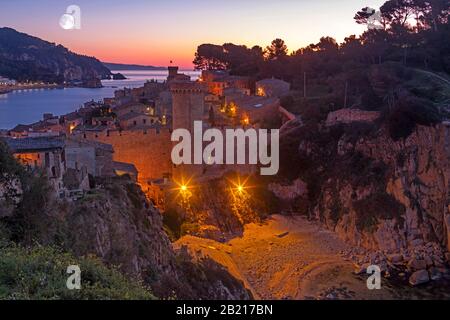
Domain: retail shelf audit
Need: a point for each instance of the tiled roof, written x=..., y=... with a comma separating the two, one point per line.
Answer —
x=126, y=167
x=272, y=81
x=21, y=128
x=34, y=144
x=74, y=143
x=131, y=115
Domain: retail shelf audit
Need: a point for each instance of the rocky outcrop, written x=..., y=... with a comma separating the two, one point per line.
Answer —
x=214, y=208
x=119, y=225
x=289, y=192
x=121, y=228
x=347, y=116
x=386, y=196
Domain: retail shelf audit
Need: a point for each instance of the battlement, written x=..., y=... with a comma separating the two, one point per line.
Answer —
x=187, y=87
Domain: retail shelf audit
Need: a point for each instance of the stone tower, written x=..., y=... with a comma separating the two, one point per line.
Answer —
x=187, y=107
x=187, y=104
x=173, y=71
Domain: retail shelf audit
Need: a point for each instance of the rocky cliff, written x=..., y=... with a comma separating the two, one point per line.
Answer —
x=27, y=58
x=385, y=195
x=216, y=209
x=116, y=223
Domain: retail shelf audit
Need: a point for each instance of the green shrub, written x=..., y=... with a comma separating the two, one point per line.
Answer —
x=40, y=274
x=408, y=113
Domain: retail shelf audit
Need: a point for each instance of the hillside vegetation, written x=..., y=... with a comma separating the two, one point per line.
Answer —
x=27, y=58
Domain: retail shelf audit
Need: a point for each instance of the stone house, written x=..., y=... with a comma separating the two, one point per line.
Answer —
x=45, y=153
x=134, y=119
x=254, y=109
x=122, y=110
x=272, y=88
x=94, y=157
x=104, y=121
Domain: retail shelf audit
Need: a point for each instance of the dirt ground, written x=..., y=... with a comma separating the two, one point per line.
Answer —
x=288, y=258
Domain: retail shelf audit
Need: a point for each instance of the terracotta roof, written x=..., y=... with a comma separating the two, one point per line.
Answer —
x=126, y=167
x=132, y=115
x=34, y=144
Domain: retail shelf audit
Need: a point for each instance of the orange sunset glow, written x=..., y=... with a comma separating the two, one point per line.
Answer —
x=153, y=33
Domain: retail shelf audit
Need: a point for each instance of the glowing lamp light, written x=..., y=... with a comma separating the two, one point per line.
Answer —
x=183, y=188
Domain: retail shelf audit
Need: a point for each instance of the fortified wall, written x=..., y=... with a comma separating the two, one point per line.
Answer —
x=149, y=150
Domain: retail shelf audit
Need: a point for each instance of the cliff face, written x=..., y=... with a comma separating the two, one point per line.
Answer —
x=122, y=228
x=215, y=209
x=375, y=192
x=117, y=224
x=23, y=57
x=418, y=179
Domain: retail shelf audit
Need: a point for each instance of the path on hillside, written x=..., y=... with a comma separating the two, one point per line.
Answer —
x=287, y=258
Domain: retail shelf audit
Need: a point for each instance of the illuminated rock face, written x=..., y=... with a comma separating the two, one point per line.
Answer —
x=379, y=193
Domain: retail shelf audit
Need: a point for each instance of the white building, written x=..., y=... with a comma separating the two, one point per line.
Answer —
x=7, y=82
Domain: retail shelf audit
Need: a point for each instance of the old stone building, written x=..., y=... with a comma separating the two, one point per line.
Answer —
x=94, y=157
x=272, y=88
x=44, y=153
x=148, y=149
x=134, y=119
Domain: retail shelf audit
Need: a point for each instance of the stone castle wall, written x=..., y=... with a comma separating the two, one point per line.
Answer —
x=149, y=150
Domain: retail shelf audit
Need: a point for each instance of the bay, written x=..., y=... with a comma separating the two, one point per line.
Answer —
x=28, y=106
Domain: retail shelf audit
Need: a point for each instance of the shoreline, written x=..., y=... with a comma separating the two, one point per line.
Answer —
x=296, y=259
x=10, y=89
x=37, y=87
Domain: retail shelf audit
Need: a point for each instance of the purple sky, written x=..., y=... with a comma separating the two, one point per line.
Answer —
x=155, y=32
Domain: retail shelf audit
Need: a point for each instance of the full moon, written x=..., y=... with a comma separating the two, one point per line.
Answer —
x=67, y=21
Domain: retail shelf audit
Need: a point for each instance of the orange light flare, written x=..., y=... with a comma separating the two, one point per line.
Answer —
x=183, y=192
x=239, y=187
x=183, y=186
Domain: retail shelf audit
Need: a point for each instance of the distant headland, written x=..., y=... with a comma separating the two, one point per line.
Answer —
x=120, y=67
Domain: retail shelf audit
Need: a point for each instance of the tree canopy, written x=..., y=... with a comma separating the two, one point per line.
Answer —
x=412, y=32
